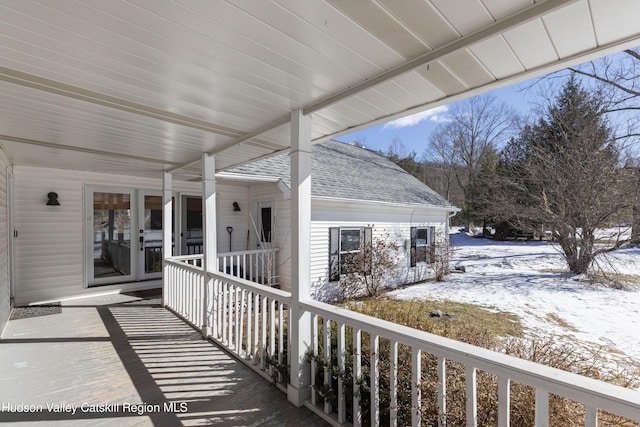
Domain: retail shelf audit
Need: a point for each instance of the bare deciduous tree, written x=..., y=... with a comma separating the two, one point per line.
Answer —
x=478, y=125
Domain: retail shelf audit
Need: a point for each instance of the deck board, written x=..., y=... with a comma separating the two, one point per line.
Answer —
x=107, y=354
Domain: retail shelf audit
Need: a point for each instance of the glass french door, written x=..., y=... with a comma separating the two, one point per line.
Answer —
x=149, y=235
x=110, y=236
x=191, y=225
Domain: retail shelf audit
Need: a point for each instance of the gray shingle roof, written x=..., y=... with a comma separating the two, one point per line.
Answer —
x=348, y=172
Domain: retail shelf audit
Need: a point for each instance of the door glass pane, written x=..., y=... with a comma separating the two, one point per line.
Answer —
x=152, y=234
x=265, y=221
x=194, y=226
x=112, y=234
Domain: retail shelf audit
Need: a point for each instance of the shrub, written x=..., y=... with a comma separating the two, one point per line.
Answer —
x=370, y=271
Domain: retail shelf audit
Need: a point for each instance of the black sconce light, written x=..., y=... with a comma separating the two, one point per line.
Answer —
x=53, y=199
x=236, y=207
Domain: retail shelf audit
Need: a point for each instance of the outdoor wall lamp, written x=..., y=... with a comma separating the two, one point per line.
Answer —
x=53, y=199
x=236, y=207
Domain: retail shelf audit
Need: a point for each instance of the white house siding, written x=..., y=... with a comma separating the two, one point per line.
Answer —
x=388, y=222
x=49, y=249
x=5, y=291
x=227, y=217
x=281, y=211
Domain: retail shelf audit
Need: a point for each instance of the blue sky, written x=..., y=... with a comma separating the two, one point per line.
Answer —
x=413, y=131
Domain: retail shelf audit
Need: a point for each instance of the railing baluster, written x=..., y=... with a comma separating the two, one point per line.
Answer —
x=393, y=384
x=504, y=402
x=357, y=373
x=314, y=364
x=280, y=339
x=375, y=379
x=243, y=297
x=416, y=386
x=327, y=357
x=272, y=334
x=256, y=329
x=263, y=338
x=230, y=314
x=442, y=391
x=249, y=350
x=225, y=309
x=470, y=380
x=542, y=408
x=341, y=354
x=591, y=417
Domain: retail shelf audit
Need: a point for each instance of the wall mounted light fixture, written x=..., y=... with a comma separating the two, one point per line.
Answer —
x=53, y=199
x=236, y=207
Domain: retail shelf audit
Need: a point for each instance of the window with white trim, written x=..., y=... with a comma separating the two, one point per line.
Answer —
x=422, y=240
x=344, y=244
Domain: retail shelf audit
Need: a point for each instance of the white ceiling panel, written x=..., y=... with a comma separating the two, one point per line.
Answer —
x=615, y=20
x=465, y=17
x=531, y=44
x=467, y=68
x=563, y=24
x=109, y=85
x=496, y=55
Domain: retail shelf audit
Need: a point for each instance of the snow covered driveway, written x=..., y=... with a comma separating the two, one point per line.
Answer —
x=525, y=278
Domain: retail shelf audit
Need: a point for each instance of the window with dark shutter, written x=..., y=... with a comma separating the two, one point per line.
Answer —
x=334, y=254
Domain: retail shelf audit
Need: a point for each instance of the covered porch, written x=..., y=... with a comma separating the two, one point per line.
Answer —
x=167, y=93
x=124, y=360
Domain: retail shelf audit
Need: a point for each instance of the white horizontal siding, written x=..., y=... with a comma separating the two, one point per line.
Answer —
x=227, y=217
x=281, y=211
x=49, y=249
x=389, y=223
x=5, y=292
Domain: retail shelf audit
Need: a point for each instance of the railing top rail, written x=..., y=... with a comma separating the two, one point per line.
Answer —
x=265, y=290
x=181, y=264
x=248, y=252
x=185, y=257
x=599, y=394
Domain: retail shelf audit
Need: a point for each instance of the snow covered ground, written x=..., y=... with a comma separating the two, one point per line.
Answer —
x=526, y=278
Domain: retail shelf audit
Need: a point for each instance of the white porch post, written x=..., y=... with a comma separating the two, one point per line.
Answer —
x=298, y=390
x=209, y=245
x=167, y=244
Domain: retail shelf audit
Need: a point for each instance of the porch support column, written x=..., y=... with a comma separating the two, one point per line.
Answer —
x=209, y=245
x=298, y=390
x=167, y=244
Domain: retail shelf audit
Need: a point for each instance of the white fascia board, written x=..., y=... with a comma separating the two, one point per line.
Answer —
x=450, y=209
x=246, y=178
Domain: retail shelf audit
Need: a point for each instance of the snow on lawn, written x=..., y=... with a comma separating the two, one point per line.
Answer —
x=526, y=278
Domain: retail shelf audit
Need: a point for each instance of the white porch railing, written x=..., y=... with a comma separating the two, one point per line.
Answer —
x=251, y=321
x=258, y=266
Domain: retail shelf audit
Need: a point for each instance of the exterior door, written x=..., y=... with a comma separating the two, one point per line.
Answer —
x=109, y=239
x=149, y=235
x=191, y=225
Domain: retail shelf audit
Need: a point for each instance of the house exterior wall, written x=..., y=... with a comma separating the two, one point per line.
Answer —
x=49, y=249
x=5, y=284
x=387, y=222
x=281, y=209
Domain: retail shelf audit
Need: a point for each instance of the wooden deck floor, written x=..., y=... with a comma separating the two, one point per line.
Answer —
x=124, y=360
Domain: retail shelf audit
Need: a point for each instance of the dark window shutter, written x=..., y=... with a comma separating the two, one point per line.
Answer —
x=334, y=254
x=412, y=255
x=432, y=245
x=367, y=248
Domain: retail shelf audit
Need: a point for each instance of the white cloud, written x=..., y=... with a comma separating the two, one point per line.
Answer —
x=434, y=115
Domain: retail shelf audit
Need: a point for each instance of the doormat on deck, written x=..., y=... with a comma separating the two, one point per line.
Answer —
x=36, y=310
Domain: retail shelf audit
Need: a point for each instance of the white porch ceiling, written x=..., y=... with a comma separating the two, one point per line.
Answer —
x=142, y=86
